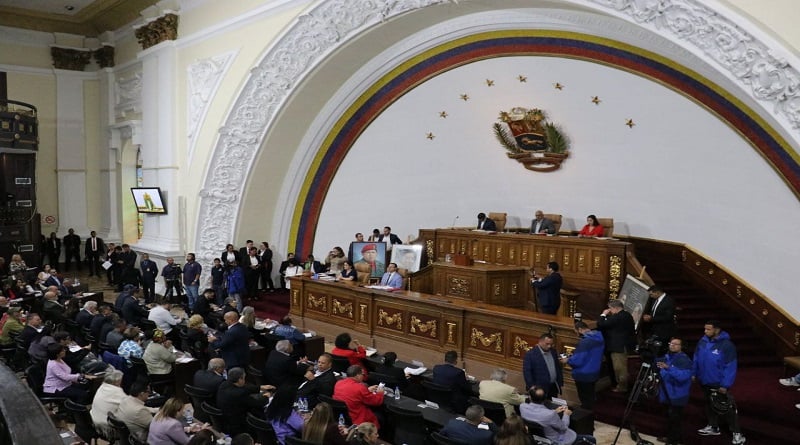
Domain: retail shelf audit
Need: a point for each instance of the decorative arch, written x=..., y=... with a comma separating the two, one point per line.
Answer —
x=328, y=24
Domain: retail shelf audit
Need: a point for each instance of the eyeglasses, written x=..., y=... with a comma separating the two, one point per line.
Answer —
x=675, y=344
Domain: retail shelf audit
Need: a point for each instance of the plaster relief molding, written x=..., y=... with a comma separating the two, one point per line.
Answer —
x=128, y=94
x=123, y=131
x=205, y=77
x=157, y=30
x=67, y=58
x=767, y=74
x=305, y=43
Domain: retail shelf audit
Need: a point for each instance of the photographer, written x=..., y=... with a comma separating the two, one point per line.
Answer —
x=172, y=274
x=676, y=374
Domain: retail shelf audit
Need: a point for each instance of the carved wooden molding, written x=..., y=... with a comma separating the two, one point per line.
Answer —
x=396, y=319
x=418, y=325
x=519, y=347
x=317, y=303
x=486, y=341
x=74, y=59
x=159, y=30
x=339, y=308
x=614, y=274
x=104, y=56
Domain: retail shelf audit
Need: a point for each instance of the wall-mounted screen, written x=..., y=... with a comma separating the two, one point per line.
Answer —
x=148, y=200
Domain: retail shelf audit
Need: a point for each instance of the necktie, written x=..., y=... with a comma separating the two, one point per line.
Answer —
x=94, y=243
x=655, y=306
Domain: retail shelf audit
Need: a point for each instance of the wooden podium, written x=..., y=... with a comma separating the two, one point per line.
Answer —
x=486, y=283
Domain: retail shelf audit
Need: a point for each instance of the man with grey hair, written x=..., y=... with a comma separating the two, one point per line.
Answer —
x=619, y=334
x=107, y=399
x=52, y=310
x=234, y=345
x=210, y=379
x=468, y=430
x=497, y=390
x=281, y=368
x=85, y=315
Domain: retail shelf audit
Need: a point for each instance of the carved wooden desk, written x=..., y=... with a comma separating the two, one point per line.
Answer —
x=487, y=283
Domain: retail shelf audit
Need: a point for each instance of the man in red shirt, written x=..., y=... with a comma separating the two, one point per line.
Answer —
x=358, y=396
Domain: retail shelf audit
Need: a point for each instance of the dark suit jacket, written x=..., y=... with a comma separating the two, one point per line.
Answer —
x=52, y=311
x=53, y=251
x=72, y=243
x=397, y=373
x=132, y=312
x=663, y=323
x=454, y=378
x=208, y=380
x=547, y=226
x=234, y=346
x=84, y=318
x=488, y=224
x=235, y=402
x=282, y=369
x=534, y=369
x=548, y=292
x=29, y=334
x=316, y=267
x=101, y=247
x=322, y=384
x=149, y=271
x=469, y=433
x=393, y=239
x=618, y=330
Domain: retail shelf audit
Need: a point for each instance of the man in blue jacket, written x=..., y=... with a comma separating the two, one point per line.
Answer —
x=715, y=368
x=585, y=362
x=676, y=376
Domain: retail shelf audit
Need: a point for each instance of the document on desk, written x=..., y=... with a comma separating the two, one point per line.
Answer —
x=414, y=371
x=184, y=359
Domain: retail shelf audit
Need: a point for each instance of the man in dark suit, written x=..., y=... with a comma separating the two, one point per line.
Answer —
x=391, y=237
x=53, y=249
x=126, y=262
x=245, y=251
x=320, y=382
x=72, y=249
x=283, y=369
x=95, y=248
x=86, y=315
x=313, y=265
x=486, y=223
x=540, y=367
x=52, y=309
x=236, y=398
x=149, y=273
x=132, y=312
x=659, y=317
x=451, y=376
x=548, y=289
x=234, y=344
x=33, y=330
x=210, y=379
x=541, y=225
x=468, y=431
x=252, y=272
x=619, y=333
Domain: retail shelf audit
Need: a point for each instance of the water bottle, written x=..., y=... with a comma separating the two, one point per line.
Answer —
x=188, y=415
x=341, y=420
x=397, y=393
x=304, y=405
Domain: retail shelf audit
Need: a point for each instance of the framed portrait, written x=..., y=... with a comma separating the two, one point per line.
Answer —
x=407, y=256
x=634, y=297
x=370, y=257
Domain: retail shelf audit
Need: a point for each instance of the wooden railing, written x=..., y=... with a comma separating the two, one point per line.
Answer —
x=23, y=420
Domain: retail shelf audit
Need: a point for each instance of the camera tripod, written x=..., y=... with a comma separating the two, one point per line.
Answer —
x=647, y=382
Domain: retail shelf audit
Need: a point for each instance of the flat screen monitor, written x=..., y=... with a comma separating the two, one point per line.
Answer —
x=148, y=200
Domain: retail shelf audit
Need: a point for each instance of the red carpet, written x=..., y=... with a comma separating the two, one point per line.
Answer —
x=272, y=305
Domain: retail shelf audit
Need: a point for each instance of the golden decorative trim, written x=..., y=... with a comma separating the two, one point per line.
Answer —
x=513, y=288
x=565, y=262
x=396, y=319
x=725, y=281
x=362, y=313
x=459, y=286
x=486, y=250
x=524, y=255
x=697, y=263
x=572, y=308
x=596, y=263
x=317, y=303
x=581, y=261
x=70, y=58
x=511, y=254
x=338, y=307
x=429, y=249
x=451, y=327
x=797, y=338
x=764, y=312
x=159, y=30
x=684, y=255
x=614, y=274
x=551, y=257
x=569, y=349
x=739, y=291
x=474, y=250
x=779, y=325
x=429, y=325
x=496, y=338
x=519, y=347
x=752, y=301
x=711, y=271
x=496, y=289
x=537, y=256
x=499, y=254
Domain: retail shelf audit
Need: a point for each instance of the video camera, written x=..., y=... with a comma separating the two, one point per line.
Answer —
x=650, y=349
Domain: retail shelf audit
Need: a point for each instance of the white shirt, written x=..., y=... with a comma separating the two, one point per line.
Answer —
x=162, y=318
x=658, y=301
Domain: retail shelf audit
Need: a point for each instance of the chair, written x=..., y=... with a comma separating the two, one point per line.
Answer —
x=160, y=385
x=493, y=410
x=216, y=415
x=438, y=439
x=608, y=226
x=409, y=425
x=363, y=272
x=265, y=435
x=499, y=220
x=297, y=441
x=134, y=441
x=442, y=395
x=75, y=330
x=534, y=428
x=123, y=433
x=147, y=325
x=339, y=363
x=105, y=347
x=254, y=376
x=556, y=218
x=338, y=408
x=34, y=374
x=197, y=397
x=376, y=378
x=84, y=427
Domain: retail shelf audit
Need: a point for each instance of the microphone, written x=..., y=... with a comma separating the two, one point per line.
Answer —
x=452, y=226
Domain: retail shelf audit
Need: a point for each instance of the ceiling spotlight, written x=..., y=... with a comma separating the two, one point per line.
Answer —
x=69, y=7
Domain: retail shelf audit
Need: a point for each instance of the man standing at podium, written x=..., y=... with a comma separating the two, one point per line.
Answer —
x=548, y=289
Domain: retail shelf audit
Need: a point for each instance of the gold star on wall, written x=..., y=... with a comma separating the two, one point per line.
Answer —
x=443, y=114
x=558, y=86
x=489, y=82
x=464, y=97
x=629, y=123
x=430, y=136
x=596, y=100
x=522, y=78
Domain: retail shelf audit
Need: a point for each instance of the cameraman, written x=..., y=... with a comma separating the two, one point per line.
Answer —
x=172, y=274
x=676, y=374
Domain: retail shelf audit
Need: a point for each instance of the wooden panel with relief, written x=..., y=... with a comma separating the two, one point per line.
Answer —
x=502, y=285
x=425, y=323
x=337, y=304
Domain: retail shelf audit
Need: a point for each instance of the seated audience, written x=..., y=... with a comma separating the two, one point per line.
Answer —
x=556, y=428
x=364, y=434
x=451, y=376
x=160, y=315
x=196, y=338
x=348, y=273
x=358, y=397
x=32, y=331
x=59, y=379
x=159, y=356
x=592, y=227
x=132, y=411
x=319, y=381
x=102, y=318
x=203, y=307
x=209, y=379
x=512, y=432
x=114, y=331
x=281, y=414
x=107, y=399
x=283, y=369
x=132, y=311
x=132, y=345
x=236, y=398
x=166, y=429
x=12, y=327
x=242, y=439
x=52, y=310
x=496, y=390
x=351, y=349
x=234, y=343
x=85, y=316
x=289, y=332
x=322, y=428
x=388, y=368
x=467, y=430
x=74, y=359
